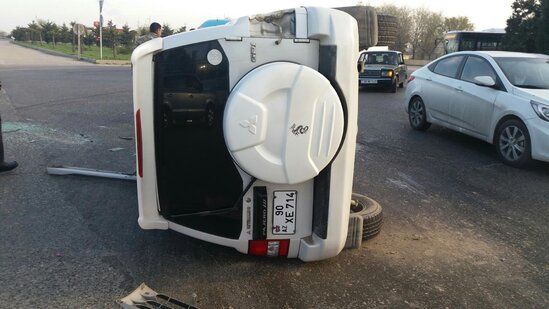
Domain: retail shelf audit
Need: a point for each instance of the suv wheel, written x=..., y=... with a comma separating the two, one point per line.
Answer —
x=394, y=86
x=370, y=211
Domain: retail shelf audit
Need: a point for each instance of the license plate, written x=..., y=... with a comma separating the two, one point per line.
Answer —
x=284, y=212
x=368, y=81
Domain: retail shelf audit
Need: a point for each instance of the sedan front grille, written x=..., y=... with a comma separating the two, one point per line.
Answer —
x=370, y=73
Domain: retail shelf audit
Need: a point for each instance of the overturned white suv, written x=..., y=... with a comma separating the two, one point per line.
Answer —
x=265, y=163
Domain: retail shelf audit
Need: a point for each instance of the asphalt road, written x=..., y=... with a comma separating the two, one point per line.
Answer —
x=461, y=230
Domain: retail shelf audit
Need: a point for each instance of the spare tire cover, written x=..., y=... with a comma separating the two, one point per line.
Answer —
x=283, y=123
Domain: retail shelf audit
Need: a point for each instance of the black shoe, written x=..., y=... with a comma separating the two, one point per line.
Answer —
x=8, y=166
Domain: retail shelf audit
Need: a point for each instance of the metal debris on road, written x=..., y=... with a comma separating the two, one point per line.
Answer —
x=146, y=298
x=68, y=170
x=116, y=149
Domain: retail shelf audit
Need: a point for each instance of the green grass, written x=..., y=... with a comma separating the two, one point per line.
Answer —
x=91, y=52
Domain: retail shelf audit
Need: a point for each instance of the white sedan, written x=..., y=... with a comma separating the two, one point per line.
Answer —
x=499, y=97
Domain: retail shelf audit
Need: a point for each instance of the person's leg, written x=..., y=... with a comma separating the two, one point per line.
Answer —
x=4, y=166
x=1, y=143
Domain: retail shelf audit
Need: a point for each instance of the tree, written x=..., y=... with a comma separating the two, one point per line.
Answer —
x=88, y=38
x=35, y=32
x=112, y=38
x=96, y=34
x=426, y=33
x=49, y=30
x=461, y=23
x=126, y=37
x=543, y=28
x=166, y=30
x=19, y=33
x=181, y=29
x=65, y=34
x=143, y=30
x=73, y=36
x=405, y=19
x=523, y=26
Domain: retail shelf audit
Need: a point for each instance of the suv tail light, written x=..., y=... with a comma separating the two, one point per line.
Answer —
x=267, y=247
x=139, y=142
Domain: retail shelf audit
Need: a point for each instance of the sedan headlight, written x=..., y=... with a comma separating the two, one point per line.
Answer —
x=387, y=73
x=541, y=109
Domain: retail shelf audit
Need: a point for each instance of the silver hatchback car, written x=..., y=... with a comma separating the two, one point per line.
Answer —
x=499, y=97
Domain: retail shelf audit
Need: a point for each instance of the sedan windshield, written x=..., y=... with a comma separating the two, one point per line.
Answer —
x=379, y=58
x=530, y=73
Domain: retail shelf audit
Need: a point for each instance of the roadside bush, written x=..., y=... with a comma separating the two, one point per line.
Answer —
x=125, y=50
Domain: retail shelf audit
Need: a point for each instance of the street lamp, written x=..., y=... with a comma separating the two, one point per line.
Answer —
x=101, y=29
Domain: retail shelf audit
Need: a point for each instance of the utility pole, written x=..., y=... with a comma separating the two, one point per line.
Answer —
x=101, y=29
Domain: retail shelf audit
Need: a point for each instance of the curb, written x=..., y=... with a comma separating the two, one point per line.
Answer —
x=113, y=62
x=60, y=54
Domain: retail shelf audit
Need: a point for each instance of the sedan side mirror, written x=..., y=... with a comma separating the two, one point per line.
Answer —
x=485, y=81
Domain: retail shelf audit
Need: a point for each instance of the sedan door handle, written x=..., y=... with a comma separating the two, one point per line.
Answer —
x=428, y=79
x=458, y=89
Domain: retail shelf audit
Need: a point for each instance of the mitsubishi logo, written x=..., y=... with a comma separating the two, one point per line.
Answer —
x=250, y=124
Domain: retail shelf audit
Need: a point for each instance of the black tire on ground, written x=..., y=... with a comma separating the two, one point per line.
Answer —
x=393, y=88
x=387, y=24
x=513, y=144
x=387, y=30
x=417, y=115
x=386, y=37
x=391, y=32
x=371, y=212
x=366, y=18
x=386, y=18
x=381, y=38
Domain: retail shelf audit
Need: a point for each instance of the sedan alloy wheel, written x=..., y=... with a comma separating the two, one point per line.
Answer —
x=513, y=143
x=417, y=115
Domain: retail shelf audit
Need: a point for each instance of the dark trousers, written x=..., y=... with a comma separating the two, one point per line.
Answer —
x=1, y=143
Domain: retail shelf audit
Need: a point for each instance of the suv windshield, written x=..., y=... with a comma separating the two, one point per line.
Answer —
x=380, y=58
x=530, y=73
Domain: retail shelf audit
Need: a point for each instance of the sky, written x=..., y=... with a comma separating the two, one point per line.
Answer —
x=484, y=14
